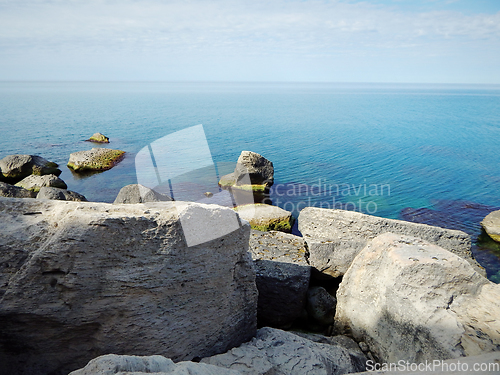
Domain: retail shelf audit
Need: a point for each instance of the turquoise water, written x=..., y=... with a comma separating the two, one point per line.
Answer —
x=381, y=149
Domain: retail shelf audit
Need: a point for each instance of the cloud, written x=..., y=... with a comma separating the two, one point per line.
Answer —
x=279, y=29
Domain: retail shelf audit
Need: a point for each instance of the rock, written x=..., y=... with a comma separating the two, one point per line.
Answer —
x=254, y=166
x=278, y=352
x=282, y=277
x=413, y=301
x=60, y=194
x=335, y=237
x=227, y=181
x=17, y=167
x=97, y=159
x=321, y=305
x=491, y=225
x=111, y=364
x=80, y=279
x=265, y=217
x=98, y=138
x=486, y=364
x=34, y=183
x=357, y=356
x=11, y=191
x=136, y=193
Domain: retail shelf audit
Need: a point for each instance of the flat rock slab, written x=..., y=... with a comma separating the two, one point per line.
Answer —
x=34, y=183
x=278, y=352
x=136, y=193
x=413, y=301
x=265, y=217
x=279, y=247
x=491, y=225
x=335, y=237
x=60, y=194
x=83, y=279
x=11, y=191
x=16, y=167
x=97, y=159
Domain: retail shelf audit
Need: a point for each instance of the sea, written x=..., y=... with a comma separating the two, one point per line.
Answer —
x=417, y=152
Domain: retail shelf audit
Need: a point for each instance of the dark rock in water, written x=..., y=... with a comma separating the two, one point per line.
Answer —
x=16, y=167
x=491, y=224
x=60, y=194
x=257, y=168
x=136, y=193
x=98, y=138
x=34, y=183
x=11, y=191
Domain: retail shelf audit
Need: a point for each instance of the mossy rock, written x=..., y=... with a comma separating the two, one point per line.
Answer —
x=97, y=159
x=35, y=183
x=98, y=138
x=265, y=217
x=491, y=225
x=16, y=167
x=227, y=181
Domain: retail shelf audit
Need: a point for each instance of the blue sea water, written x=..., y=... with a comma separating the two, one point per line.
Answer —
x=426, y=153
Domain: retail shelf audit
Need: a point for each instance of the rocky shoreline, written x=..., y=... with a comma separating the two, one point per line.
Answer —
x=97, y=288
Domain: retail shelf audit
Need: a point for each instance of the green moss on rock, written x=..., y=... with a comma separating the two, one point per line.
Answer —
x=97, y=159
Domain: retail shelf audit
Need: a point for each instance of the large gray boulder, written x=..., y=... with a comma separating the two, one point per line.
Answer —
x=282, y=276
x=136, y=193
x=11, y=191
x=411, y=300
x=81, y=279
x=255, y=167
x=491, y=225
x=112, y=364
x=60, y=194
x=16, y=167
x=97, y=159
x=278, y=352
x=335, y=237
x=34, y=183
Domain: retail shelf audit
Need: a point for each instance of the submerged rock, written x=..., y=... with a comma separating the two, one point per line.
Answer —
x=34, y=183
x=335, y=237
x=136, y=193
x=16, y=167
x=80, y=279
x=97, y=159
x=265, y=217
x=98, y=138
x=491, y=225
x=277, y=352
x=11, y=191
x=60, y=194
x=413, y=301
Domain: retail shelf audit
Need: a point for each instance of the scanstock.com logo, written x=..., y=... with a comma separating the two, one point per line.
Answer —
x=173, y=165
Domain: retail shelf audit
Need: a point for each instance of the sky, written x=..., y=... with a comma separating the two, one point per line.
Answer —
x=426, y=41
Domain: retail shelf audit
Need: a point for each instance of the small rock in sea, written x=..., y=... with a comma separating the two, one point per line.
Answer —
x=97, y=159
x=208, y=194
x=34, y=183
x=136, y=193
x=98, y=138
x=16, y=167
x=491, y=225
